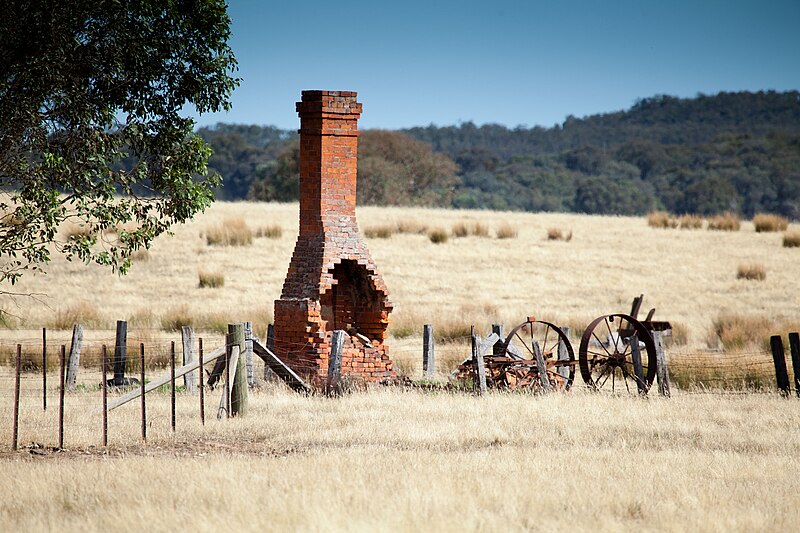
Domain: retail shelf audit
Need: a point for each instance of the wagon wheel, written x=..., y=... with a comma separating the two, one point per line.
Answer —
x=521, y=344
x=606, y=358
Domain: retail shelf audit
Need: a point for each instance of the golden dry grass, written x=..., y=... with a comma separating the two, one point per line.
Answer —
x=764, y=222
x=791, y=239
x=408, y=461
x=751, y=271
x=688, y=276
x=725, y=222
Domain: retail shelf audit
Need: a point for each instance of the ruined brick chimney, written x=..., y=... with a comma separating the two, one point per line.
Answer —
x=333, y=282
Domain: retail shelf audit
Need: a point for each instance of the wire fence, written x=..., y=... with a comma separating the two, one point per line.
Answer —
x=58, y=415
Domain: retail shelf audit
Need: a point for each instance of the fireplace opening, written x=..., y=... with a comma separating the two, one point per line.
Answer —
x=352, y=303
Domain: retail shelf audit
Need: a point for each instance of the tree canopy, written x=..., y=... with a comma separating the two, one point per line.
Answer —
x=93, y=129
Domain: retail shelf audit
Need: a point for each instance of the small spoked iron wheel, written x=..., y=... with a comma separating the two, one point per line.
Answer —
x=606, y=354
x=519, y=350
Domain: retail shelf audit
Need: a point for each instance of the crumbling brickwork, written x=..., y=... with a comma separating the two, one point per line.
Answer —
x=332, y=282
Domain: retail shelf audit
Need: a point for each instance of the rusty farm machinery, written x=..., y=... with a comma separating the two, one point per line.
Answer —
x=616, y=353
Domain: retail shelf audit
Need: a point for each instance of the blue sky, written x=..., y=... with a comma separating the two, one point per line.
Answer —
x=508, y=62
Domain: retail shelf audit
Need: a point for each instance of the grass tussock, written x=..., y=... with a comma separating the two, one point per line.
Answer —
x=690, y=222
x=555, y=234
x=751, y=271
x=438, y=235
x=506, y=231
x=791, y=239
x=661, y=220
x=210, y=280
x=737, y=332
x=725, y=222
x=384, y=231
x=411, y=226
x=83, y=313
x=466, y=229
x=765, y=222
x=271, y=231
x=232, y=231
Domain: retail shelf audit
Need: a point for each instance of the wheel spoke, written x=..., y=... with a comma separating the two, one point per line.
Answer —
x=525, y=344
x=601, y=343
x=600, y=386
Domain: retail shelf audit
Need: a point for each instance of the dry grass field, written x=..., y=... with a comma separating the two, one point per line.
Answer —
x=406, y=460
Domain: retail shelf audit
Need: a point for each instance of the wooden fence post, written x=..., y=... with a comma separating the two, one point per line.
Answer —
x=172, y=383
x=187, y=340
x=239, y=388
x=333, y=386
x=428, y=351
x=638, y=370
x=62, y=385
x=497, y=348
x=477, y=360
x=271, y=347
x=778, y=357
x=541, y=365
x=16, y=397
x=144, y=407
x=794, y=348
x=120, y=353
x=104, y=385
x=661, y=365
x=74, y=356
x=44, y=369
x=248, y=353
x=563, y=354
x=202, y=387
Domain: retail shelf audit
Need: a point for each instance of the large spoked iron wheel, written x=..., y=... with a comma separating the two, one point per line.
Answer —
x=521, y=369
x=606, y=354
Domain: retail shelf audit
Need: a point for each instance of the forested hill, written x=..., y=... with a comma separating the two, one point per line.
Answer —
x=730, y=151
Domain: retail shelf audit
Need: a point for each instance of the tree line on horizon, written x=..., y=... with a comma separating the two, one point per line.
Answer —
x=737, y=152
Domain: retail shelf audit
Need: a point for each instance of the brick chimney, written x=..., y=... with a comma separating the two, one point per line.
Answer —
x=332, y=282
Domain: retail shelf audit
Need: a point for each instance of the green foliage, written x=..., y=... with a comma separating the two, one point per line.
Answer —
x=735, y=152
x=91, y=129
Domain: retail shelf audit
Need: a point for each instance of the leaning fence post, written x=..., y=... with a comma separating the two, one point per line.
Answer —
x=16, y=397
x=428, y=351
x=248, y=353
x=778, y=357
x=120, y=352
x=794, y=347
x=638, y=371
x=74, y=356
x=661, y=365
x=335, y=364
x=477, y=360
x=239, y=388
x=44, y=369
x=187, y=341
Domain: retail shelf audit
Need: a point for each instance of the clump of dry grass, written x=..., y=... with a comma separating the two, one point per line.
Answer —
x=691, y=222
x=506, y=231
x=76, y=231
x=737, y=331
x=465, y=229
x=177, y=316
x=725, y=222
x=555, y=234
x=211, y=280
x=661, y=220
x=791, y=239
x=751, y=271
x=411, y=226
x=765, y=222
x=83, y=313
x=438, y=235
x=232, y=232
x=271, y=231
x=383, y=231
